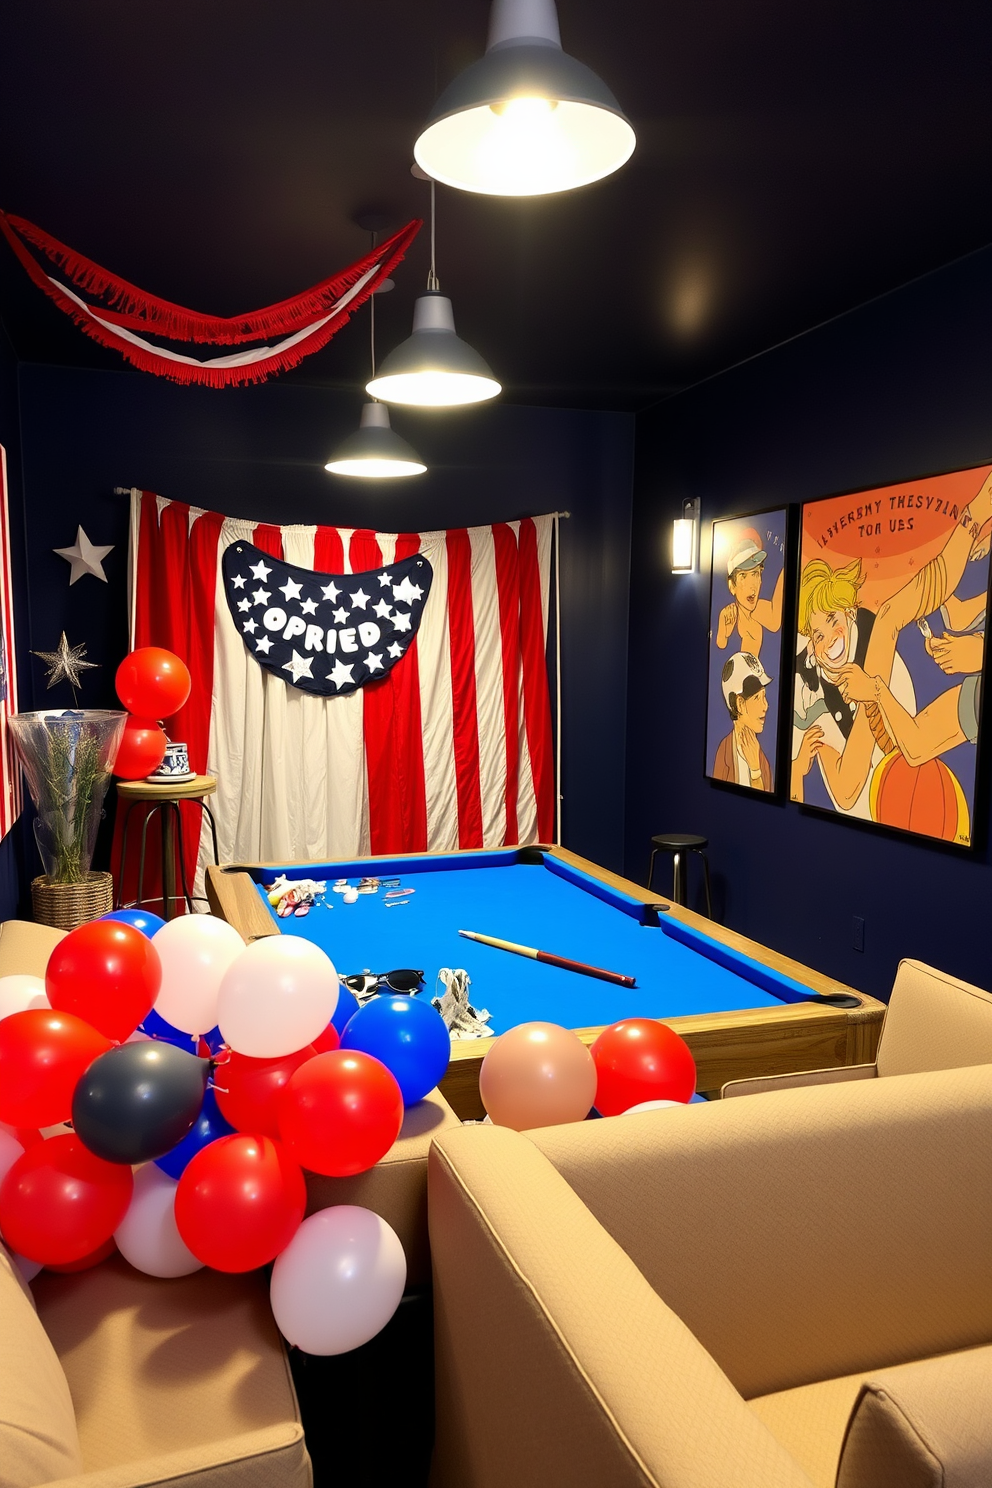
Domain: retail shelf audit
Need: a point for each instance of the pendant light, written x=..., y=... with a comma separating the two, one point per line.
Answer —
x=526, y=119
x=433, y=368
x=375, y=451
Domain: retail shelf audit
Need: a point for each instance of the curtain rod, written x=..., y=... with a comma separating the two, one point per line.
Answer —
x=126, y=491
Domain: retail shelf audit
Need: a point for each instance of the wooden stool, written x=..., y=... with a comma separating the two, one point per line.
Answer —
x=679, y=844
x=164, y=799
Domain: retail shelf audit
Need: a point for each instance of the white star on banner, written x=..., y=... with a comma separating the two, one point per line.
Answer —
x=309, y=607
x=407, y=592
x=340, y=674
x=264, y=645
x=359, y=599
x=330, y=591
x=261, y=596
x=238, y=581
x=291, y=589
x=382, y=609
x=385, y=580
x=244, y=604
x=249, y=627
x=84, y=557
x=374, y=662
x=395, y=651
x=401, y=620
x=299, y=666
x=340, y=616
x=260, y=570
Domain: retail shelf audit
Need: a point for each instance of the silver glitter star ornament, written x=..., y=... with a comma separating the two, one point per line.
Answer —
x=66, y=663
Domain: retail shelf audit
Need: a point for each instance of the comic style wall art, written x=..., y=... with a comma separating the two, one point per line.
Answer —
x=747, y=587
x=893, y=593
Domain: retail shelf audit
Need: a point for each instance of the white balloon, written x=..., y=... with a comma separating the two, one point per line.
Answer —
x=277, y=997
x=147, y=1235
x=339, y=1280
x=657, y=1105
x=10, y=1150
x=195, y=951
x=18, y=993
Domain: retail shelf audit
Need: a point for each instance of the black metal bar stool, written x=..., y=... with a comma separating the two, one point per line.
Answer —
x=680, y=844
x=164, y=799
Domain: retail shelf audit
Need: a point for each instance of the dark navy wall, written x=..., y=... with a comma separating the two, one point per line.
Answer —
x=898, y=388
x=258, y=453
x=13, y=883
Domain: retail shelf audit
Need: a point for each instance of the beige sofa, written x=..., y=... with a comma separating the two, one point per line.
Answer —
x=721, y=1296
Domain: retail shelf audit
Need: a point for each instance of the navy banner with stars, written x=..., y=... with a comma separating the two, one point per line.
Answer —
x=327, y=634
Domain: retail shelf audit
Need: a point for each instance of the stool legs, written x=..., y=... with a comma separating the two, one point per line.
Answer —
x=654, y=854
x=678, y=878
x=706, y=877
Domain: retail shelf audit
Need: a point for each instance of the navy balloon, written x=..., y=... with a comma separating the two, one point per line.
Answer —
x=207, y=1127
x=137, y=1101
x=408, y=1036
x=141, y=919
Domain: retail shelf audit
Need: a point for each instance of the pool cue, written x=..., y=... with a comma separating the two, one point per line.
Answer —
x=550, y=958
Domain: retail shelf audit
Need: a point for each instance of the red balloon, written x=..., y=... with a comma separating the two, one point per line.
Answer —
x=247, y=1089
x=142, y=749
x=638, y=1060
x=43, y=1054
x=106, y=972
x=340, y=1113
x=153, y=682
x=329, y=1040
x=239, y=1202
x=102, y=1253
x=60, y=1202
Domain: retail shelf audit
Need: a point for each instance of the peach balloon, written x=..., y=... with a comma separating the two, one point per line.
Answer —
x=537, y=1074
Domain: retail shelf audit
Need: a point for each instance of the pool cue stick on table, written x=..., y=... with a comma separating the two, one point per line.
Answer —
x=550, y=958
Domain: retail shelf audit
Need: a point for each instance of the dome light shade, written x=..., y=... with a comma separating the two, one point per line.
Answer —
x=433, y=368
x=526, y=119
x=375, y=451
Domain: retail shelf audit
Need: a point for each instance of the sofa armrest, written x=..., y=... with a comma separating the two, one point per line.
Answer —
x=800, y=1080
x=25, y=947
x=275, y=1454
x=555, y=1360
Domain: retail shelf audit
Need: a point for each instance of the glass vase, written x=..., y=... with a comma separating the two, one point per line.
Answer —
x=68, y=758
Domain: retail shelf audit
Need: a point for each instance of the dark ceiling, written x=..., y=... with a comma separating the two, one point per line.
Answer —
x=792, y=161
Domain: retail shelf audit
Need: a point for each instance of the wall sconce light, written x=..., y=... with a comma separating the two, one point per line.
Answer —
x=685, y=538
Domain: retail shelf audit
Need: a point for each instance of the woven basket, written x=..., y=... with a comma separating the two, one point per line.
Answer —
x=68, y=905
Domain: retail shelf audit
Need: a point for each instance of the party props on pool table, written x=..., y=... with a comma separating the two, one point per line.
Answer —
x=563, y=961
x=637, y=1060
x=537, y=1074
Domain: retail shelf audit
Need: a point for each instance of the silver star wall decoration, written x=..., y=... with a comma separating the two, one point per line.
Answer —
x=66, y=663
x=85, y=557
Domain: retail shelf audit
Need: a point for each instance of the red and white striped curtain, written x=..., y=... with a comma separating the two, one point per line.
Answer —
x=453, y=749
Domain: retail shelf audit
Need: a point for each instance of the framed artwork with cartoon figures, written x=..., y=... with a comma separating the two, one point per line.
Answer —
x=744, y=682
x=889, y=651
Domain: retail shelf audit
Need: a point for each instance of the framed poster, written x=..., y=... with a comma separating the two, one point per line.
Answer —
x=890, y=649
x=10, y=770
x=744, y=682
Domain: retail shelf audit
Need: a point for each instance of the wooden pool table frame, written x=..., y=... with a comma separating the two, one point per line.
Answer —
x=734, y=1045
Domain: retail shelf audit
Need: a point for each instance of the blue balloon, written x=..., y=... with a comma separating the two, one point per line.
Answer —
x=142, y=919
x=207, y=1127
x=346, y=1009
x=408, y=1036
x=157, y=1028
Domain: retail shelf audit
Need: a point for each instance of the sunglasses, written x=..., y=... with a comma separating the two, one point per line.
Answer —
x=369, y=983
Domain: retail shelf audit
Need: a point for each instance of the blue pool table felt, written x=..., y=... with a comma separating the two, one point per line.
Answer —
x=548, y=905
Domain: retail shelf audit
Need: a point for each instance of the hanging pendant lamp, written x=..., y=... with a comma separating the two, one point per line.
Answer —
x=375, y=451
x=526, y=119
x=433, y=368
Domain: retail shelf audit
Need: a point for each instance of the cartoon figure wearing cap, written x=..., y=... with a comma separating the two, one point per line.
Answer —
x=739, y=757
x=748, y=612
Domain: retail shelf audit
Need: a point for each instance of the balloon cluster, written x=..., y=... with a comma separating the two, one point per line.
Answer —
x=539, y=1074
x=226, y=1070
x=152, y=684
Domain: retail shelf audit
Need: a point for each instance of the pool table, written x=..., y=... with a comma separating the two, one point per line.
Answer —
x=743, y=1010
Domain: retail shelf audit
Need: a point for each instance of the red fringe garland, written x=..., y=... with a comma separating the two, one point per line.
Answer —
x=135, y=310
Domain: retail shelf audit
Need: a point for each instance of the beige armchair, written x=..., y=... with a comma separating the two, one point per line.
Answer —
x=729, y=1295
x=933, y=1021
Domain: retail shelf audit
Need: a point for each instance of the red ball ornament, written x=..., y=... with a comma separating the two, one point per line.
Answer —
x=142, y=749
x=107, y=973
x=639, y=1060
x=340, y=1113
x=239, y=1202
x=248, y=1089
x=153, y=682
x=59, y=1202
x=43, y=1055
